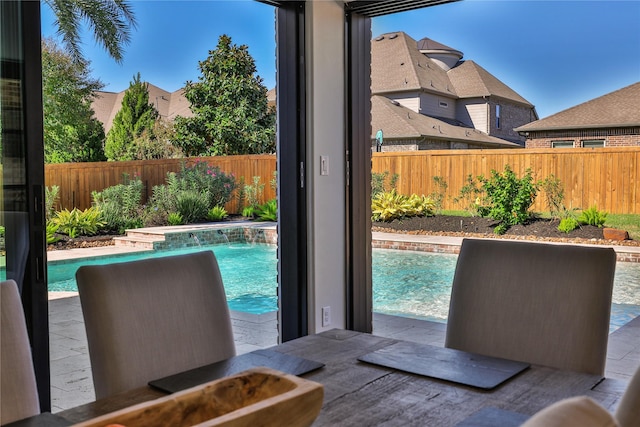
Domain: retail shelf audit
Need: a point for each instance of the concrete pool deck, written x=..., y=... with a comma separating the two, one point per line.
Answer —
x=71, y=382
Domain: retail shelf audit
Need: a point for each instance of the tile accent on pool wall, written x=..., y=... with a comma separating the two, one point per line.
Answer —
x=416, y=246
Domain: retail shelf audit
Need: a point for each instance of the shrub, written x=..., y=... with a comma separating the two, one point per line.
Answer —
x=567, y=225
x=391, y=205
x=217, y=213
x=267, y=211
x=203, y=178
x=554, y=196
x=253, y=192
x=121, y=204
x=79, y=223
x=248, y=212
x=51, y=197
x=192, y=206
x=509, y=197
x=470, y=196
x=592, y=216
x=382, y=183
x=174, y=218
x=199, y=187
x=52, y=229
x=438, y=195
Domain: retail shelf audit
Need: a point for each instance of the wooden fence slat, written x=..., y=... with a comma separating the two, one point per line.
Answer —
x=607, y=177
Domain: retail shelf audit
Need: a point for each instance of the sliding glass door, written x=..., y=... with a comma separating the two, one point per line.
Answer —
x=22, y=165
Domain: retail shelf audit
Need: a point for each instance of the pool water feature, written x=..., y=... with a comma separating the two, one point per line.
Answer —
x=405, y=283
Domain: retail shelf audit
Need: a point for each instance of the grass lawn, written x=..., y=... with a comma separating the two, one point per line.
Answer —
x=628, y=222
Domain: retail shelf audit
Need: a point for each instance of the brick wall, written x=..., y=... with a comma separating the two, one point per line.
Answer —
x=511, y=116
x=609, y=140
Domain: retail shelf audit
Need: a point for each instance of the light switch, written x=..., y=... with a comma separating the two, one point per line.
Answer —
x=324, y=165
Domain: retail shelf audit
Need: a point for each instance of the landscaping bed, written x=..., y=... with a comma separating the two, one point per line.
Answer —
x=465, y=226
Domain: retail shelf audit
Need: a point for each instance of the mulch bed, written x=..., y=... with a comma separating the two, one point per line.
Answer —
x=441, y=225
x=535, y=229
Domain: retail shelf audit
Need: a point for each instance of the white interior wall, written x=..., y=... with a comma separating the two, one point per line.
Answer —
x=325, y=137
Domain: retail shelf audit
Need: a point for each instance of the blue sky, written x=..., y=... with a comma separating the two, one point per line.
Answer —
x=556, y=54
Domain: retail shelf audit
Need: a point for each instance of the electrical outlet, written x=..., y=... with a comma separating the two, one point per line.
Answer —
x=326, y=316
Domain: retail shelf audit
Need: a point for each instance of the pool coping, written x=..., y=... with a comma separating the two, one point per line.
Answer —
x=399, y=241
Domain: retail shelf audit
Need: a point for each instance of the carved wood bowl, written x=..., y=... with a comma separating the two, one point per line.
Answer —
x=258, y=396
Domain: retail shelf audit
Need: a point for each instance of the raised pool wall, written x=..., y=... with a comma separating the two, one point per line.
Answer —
x=203, y=237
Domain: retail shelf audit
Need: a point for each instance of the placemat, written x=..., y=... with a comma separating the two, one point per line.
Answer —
x=446, y=364
x=286, y=363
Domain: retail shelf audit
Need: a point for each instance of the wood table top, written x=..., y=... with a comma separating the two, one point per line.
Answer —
x=359, y=393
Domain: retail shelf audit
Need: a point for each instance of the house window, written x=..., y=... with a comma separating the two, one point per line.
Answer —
x=444, y=104
x=498, y=116
x=592, y=143
x=562, y=144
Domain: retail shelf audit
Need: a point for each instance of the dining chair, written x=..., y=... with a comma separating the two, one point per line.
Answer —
x=628, y=411
x=580, y=411
x=541, y=303
x=151, y=318
x=18, y=390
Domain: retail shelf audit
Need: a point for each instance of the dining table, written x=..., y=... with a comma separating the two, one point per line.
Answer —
x=360, y=393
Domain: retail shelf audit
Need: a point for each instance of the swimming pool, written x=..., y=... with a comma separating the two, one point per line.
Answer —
x=405, y=283
x=248, y=272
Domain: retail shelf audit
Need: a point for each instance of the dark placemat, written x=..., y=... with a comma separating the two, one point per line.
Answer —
x=286, y=363
x=446, y=364
x=492, y=417
x=45, y=419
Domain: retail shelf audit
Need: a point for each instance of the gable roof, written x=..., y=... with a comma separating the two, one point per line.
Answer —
x=620, y=108
x=169, y=104
x=471, y=81
x=397, y=65
x=398, y=122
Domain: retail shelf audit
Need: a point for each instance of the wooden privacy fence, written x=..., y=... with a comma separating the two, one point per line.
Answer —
x=78, y=180
x=606, y=177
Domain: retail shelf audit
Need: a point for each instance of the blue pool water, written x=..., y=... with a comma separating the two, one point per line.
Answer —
x=405, y=283
x=248, y=272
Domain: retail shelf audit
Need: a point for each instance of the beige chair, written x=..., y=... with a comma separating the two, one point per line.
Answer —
x=18, y=390
x=628, y=411
x=578, y=411
x=151, y=318
x=540, y=303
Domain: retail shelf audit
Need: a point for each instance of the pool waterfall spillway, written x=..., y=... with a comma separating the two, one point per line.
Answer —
x=258, y=233
x=194, y=237
x=224, y=236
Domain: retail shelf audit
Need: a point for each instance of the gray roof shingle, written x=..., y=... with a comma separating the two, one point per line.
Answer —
x=471, y=81
x=398, y=122
x=620, y=108
x=397, y=65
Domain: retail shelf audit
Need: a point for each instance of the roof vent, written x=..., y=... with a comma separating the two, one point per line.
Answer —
x=394, y=102
x=379, y=38
x=393, y=36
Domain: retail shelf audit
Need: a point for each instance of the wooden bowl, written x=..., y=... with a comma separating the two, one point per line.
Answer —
x=256, y=397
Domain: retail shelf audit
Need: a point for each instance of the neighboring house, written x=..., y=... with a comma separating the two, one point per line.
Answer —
x=169, y=104
x=612, y=120
x=406, y=130
x=430, y=78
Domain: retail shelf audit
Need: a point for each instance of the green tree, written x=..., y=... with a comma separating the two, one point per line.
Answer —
x=110, y=20
x=229, y=103
x=71, y=133
x=132, y=122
